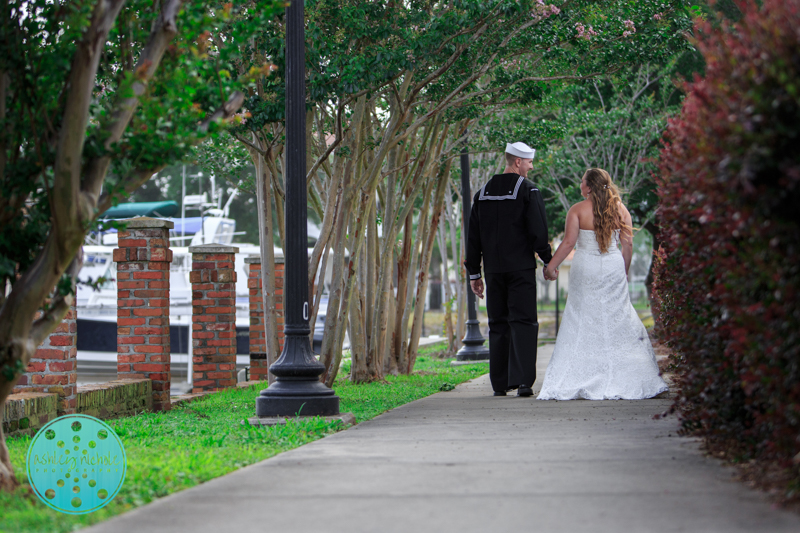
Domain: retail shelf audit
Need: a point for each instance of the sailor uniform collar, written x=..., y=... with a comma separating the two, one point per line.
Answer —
x=512, y=195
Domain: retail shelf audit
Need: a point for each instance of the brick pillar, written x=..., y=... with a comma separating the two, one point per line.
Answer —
x=259, y=362
x=213, y=280
x=143, y=259
x=279, y=302
x=53, y=368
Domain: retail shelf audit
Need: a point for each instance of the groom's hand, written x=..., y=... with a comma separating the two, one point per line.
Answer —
x=477, y=287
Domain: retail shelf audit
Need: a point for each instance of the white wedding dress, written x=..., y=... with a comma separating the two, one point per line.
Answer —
x=602, y=351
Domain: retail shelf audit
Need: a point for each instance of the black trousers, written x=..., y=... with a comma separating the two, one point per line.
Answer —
x=513, y=328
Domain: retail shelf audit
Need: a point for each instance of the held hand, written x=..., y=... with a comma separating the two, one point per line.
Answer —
x=477, y=287
x=550, y=273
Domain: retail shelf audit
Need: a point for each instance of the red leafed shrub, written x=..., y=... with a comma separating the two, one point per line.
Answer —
x=728, y=274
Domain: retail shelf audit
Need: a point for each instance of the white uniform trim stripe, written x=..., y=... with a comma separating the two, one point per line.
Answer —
x=474, y=276
x=484, y=196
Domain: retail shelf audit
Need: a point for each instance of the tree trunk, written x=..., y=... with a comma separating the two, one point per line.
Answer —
x=335, y=305
x=8, y=481
x=454, y=219
x=448, y=315
x=403, y=264
x=425, y=260
x=267, y=245
x=402, y=362
x=357, y=239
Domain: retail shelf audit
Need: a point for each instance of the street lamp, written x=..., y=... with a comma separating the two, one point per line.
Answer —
x=297, y=389
x=473, y=349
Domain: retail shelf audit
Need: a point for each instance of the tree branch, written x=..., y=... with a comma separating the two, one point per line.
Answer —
x=135, y=180
x=164, y=30
x=52, y=317
x=65, y=204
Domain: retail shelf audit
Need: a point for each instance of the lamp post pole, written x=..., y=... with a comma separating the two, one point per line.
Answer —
x=297, y=389
x=473, y=349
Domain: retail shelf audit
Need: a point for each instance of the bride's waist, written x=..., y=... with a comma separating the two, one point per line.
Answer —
x=596, y=251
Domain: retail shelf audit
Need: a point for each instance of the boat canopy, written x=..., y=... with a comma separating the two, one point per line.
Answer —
x=142, y=209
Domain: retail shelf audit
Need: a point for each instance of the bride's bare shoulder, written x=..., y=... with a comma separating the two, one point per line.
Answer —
x=623, y=212
x=583, y=205
x=585, y=215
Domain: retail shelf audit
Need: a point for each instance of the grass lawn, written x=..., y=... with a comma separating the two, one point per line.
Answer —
x=196, y=442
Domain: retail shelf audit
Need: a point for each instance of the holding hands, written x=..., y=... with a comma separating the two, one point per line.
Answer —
x=550, y=273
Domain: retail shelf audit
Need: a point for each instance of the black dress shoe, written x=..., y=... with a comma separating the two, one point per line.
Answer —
x=524, y=391
x=499, y=393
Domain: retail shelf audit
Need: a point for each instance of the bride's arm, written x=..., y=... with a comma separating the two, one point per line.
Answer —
x=570, y=238
x=626, y=237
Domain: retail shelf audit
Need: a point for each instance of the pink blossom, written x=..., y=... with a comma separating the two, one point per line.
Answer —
x=584, y=33
x=630, y=29
x=657, y=16
x=543, y=11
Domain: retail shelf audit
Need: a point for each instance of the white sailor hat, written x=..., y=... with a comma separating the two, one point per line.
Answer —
x=520, y=150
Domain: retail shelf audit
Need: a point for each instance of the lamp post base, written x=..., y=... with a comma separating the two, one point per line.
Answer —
x=473, y=349
x=345, y=420
x=297, y=390
x=297, y=398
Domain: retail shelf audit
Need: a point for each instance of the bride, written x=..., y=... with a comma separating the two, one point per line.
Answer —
x=602, y=351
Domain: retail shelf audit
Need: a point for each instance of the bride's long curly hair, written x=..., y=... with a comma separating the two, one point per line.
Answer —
x=606, y=203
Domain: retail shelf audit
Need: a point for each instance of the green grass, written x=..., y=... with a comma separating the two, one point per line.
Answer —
x=199, y=441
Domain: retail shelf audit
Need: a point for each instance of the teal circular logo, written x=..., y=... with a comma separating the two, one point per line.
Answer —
x=76, y=464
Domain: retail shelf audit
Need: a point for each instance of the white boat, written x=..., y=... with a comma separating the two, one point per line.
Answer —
x=97, y=309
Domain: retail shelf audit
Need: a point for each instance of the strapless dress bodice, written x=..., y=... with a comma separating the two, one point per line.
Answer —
x=587, y=242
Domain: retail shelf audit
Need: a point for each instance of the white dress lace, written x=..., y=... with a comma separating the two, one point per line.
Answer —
x=602, y=351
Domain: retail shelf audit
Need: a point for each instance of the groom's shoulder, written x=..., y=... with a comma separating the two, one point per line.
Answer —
x=530, y=187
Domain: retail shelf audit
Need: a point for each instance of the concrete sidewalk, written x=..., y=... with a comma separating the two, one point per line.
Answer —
x=464, y=461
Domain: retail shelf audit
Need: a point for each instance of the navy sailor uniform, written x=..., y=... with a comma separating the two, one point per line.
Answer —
x=507, y=227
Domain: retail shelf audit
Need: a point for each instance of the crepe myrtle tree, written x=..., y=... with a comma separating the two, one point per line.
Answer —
x=392, y=87
x=95, y=97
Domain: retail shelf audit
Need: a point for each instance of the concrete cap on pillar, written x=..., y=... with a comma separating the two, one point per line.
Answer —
x=147, y=222
x=257, y=260
x=213, y=249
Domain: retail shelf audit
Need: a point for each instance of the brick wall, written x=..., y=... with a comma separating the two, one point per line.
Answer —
x=25, y=412
x=114, y=399
x=279, y=264
x=53, y=367
x=143, y=260
x=259, y=362
x=213, y=280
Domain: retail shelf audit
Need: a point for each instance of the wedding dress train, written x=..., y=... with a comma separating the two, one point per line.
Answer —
x=602, y=351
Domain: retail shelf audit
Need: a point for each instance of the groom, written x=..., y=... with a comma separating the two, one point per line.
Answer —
x=507, y=225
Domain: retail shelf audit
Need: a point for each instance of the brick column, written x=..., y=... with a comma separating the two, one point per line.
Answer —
x=53, y=368
x=259, y=366
x=279, y=264
x=213, y=280
x=259, y=362
x=143, y=259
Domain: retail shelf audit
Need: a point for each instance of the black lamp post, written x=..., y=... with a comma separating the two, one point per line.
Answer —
x=473, y=349
x=297, y=389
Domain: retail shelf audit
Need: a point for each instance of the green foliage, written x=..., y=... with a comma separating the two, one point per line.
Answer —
x=355, y=46
x=37, y=51
x=199, y=441
x=613, y=123
x=729, y=272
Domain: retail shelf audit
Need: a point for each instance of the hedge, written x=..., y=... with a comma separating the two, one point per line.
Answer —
x=728, y=272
